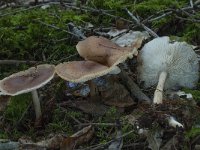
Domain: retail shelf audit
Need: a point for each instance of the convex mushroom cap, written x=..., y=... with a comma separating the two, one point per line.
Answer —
x=82, y=71
x=28, y=80
x=177, y=59
x=104, y=51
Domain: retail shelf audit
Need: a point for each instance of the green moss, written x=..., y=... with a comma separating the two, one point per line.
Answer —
x=192, y=133
x=191, y=33
x=110, y=117
x=13, y=117
x=195, y=93
x=61, y=121
x=160, y=22
x=148, y=7
x=3, y=135
x=17, y=106
x=107, y=4
x=22, y=37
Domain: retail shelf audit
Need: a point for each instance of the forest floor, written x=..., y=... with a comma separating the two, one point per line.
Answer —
x=47, y=32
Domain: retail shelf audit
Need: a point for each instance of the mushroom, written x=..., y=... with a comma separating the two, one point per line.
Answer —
x=28, y=81
x=104, y=51
x=101, y=57
x=82, y=71
x=172, y=65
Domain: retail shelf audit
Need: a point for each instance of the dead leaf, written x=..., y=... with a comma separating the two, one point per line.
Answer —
x=121, y=24
x=51, y=143
x=133, y=38
x=78, y=138
x=69, y=143
x=154, y=139
x=90, y=107
x=115, y=94
x=116, y=32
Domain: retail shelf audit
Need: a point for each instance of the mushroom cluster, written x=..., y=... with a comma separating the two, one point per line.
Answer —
x=101, y=57
x=171, y=64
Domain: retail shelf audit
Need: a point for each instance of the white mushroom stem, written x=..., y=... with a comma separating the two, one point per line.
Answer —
x=172, y=122
x=158, y=94
x=36, y=103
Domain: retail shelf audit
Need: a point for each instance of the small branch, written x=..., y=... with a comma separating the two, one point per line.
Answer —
x=14, y=62
x=99, y=124
x=55, y=27
x=133, y=87
x=161, y=16
x=98, y=146
x=98, y=11
x=171, y=11
x=22, y=10
x=67, y=58
x=197, y=2
x=7, y=145
x=141, y=24
x=191, y=3
x=187, y=19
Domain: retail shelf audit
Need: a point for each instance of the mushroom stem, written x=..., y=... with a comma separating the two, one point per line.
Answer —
x=94, y=96
x=36, y=103
x=92, y=88
x=158, y=94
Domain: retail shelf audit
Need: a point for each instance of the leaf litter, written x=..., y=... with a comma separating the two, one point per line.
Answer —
x=142, y=118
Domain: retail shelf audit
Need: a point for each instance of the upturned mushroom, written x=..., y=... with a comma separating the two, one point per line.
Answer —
x=172, y=65
x=104, y=51
x=28, y=81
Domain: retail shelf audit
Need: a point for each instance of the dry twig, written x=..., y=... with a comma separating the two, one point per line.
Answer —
x=141, y=24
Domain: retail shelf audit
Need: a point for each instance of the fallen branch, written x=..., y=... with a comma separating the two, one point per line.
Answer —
x=141, y=24
x=55, y=27
x=187, y=19
x=133, y=88
x=8, y=145
x=22, y=10
x=98, y=146
x=173, y=11
x=14, y=62
x=93, y=10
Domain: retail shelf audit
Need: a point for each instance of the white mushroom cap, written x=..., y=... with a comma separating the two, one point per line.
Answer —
x=104, y=51
x=177, y=59
x=28, y=80
x=81, y=71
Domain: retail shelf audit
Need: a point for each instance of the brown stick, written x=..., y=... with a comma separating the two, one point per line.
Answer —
x=133, y=87
x=13, y=62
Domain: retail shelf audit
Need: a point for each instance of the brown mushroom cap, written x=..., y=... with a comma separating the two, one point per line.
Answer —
x=81, y=71
x=28, y=80
x=104, y=51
